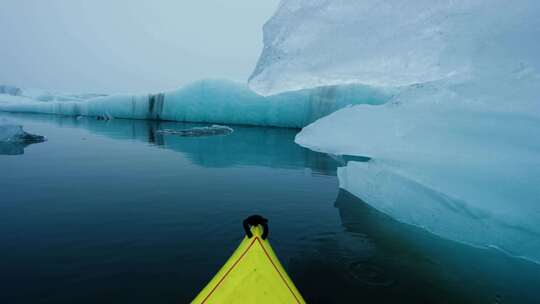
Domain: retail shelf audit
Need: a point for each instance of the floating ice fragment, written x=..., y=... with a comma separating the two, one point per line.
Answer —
x=16, y=134
x=200, y=131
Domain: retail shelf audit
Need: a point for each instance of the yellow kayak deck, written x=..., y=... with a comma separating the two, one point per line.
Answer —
x=253, y=274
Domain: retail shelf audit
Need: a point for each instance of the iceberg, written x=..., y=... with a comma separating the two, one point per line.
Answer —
x=13, y=139
x=460, y=172
x=309, y=43
x=207, y=101
x=454, y=150
x=15, y=134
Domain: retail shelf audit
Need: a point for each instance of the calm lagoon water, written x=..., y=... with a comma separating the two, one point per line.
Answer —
x=112, y=211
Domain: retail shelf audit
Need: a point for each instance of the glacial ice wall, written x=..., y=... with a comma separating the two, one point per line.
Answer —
x=212, y=101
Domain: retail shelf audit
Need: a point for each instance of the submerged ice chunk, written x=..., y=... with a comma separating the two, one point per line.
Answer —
x=511, y=227
x=200, y=131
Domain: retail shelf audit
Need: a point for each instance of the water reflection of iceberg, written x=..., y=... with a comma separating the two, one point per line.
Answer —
x=213, y=130
x=12, y=148
x=246, y=146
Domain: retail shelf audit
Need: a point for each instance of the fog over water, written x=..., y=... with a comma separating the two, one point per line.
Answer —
x=128, y=45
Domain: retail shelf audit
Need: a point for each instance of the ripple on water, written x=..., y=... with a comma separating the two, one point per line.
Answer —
x=370, y=275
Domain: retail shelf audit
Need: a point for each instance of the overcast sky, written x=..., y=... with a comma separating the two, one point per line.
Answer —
x=128, y=45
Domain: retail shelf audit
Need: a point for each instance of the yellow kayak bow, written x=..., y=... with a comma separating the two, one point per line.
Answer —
x=253, y=274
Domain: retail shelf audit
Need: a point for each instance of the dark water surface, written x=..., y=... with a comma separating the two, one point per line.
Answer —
x=113, y=211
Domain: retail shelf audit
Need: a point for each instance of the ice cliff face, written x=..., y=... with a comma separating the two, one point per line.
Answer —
x=454, y=150
x=309, y=43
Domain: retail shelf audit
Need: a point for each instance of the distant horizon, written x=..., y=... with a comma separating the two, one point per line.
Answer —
x=128, y=46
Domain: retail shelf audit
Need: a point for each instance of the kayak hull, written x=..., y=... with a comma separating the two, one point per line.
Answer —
x=253, y=274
